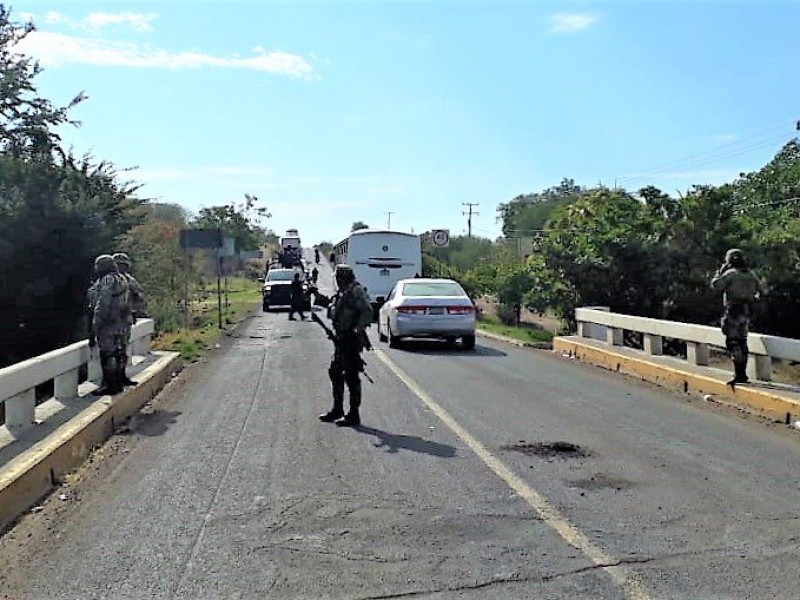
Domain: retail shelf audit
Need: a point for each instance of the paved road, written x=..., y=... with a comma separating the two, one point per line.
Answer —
x=230, y=487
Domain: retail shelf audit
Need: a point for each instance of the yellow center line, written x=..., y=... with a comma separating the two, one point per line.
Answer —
x=622, y=576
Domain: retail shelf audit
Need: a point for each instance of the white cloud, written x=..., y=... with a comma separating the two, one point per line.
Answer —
x=56, y=49
x=571, y=22
x=97, y=20
x=138, y=21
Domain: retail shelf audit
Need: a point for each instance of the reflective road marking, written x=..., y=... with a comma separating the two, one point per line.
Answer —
x=622, y=576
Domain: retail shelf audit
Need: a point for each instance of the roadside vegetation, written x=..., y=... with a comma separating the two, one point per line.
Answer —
x=58, y=211
x=243, y=296
x=641, y=252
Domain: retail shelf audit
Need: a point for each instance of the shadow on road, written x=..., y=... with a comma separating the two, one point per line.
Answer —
x=440, y=348
x=151, y=423
x=394, y=442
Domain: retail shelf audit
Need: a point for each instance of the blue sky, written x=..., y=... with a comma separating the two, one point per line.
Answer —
x=332, y=112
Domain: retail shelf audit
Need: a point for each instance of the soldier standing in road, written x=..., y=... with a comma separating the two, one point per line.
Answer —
x=135, y=302
x=297, y=298
x=351, y=314
x=314, y=275
x=110, y=323
x=741, y=288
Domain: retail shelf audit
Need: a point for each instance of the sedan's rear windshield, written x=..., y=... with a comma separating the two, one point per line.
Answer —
x=280, y=275
x=432, y=288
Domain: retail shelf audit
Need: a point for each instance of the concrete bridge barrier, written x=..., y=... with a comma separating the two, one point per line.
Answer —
x=18, y=382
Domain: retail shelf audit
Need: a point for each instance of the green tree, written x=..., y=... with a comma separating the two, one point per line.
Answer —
x=28, y=122
x=56, y=212
x=238, y=221
x=528, y=214
x=359, y=225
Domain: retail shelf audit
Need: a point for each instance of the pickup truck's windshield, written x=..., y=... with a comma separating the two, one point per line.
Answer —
x=280, y=275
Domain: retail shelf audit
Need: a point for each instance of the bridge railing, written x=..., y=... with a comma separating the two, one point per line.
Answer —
x=18, y=382
x=599, y=323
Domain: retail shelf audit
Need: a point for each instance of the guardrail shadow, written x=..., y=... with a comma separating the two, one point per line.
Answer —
x=441, y=348
x=394, y=442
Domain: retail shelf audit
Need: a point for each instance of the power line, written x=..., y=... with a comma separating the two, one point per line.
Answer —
x=728, y=150
x=469, y=214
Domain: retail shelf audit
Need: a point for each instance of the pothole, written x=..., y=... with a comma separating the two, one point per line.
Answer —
x=548, y=449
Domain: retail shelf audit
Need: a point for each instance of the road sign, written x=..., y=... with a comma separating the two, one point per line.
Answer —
x=200, y=238
x=440, y=237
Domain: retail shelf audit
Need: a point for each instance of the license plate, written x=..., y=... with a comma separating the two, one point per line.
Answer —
x=436, y=310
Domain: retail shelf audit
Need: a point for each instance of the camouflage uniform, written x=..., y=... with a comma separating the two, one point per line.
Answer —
x=135, y=302
x=351, y=314
x=110, y=322
x=741, y=287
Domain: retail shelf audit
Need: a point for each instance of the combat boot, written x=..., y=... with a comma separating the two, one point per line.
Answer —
x=124, y=380
x=740, y=374
x=335, y=413
x=111, y=384
x=351, y=419
x=332, y=415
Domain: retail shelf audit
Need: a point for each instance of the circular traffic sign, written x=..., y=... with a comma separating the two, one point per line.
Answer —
x=440, y=238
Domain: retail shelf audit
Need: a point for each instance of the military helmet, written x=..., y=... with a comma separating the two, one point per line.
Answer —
x=344, y=273
x=121, y=257
x=735, y=258
x=104, y=263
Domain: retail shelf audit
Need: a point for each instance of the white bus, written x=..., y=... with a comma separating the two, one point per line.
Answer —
x=380, y=258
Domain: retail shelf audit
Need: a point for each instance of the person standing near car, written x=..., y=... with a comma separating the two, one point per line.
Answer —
x=741, y=288
x=297, y=298
x=351, y=314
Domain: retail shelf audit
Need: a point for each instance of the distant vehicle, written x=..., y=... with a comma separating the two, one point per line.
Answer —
x=380, y=258
x=427, y=308
x=277, y=290
x=291, y=248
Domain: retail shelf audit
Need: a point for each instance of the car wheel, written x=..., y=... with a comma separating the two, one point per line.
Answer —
x=468, y=342
x=394, y=341
x=382, y=336
x=265, y=306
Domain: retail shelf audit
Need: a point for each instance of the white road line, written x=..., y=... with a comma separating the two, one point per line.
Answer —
x=622, y=576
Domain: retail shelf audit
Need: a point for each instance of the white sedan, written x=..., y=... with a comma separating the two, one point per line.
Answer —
x=427, y=308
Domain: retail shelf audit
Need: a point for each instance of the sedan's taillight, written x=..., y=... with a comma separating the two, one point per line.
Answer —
x=460, y=310
x=412, y=310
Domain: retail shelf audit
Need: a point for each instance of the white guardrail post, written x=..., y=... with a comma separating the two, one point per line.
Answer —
x=698, y=338
x=18, y=382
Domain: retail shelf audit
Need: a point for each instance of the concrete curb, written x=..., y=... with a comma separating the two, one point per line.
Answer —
x=30, y=476
x=515, y=342
x=759, y=401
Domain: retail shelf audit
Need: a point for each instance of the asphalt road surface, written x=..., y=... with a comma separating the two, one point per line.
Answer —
x=500, y=473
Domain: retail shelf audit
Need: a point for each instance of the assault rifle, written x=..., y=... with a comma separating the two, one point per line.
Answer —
x=337, y=342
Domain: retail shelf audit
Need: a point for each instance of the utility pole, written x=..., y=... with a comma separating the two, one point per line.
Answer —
x=469, y=214
x=389, y=213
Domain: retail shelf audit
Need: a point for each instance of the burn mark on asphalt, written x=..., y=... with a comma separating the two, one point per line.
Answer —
x=548, y=449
